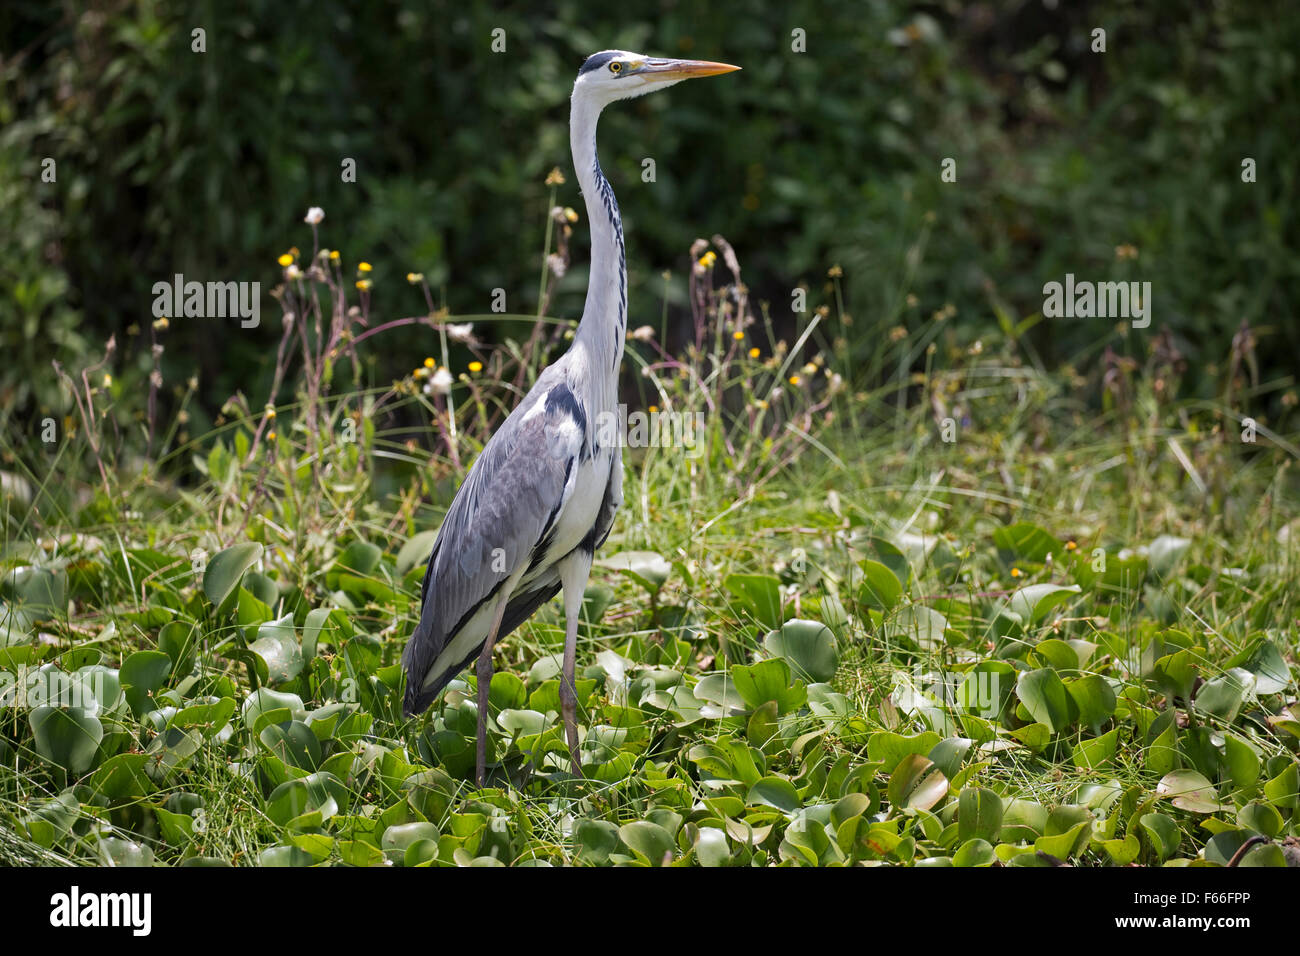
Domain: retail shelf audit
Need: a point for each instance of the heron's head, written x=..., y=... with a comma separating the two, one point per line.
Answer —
x=619, y=75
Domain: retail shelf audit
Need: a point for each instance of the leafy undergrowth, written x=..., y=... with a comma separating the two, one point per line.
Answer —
x=1032, y=635
x=950, y=690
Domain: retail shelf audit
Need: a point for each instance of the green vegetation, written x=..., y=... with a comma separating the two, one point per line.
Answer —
x=938, y=581
x=1061, y=636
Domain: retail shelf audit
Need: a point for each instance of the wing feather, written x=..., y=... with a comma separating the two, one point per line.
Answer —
x=510, y=500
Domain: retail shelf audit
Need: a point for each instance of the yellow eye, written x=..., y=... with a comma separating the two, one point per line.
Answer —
x=615, y=66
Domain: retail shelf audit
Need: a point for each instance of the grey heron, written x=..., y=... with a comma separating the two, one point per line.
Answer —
x=541, y=496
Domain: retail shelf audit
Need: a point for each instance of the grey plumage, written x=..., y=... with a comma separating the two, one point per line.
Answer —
x=542, y=495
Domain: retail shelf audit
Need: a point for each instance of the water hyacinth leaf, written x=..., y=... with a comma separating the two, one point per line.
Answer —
x=649, y=840
x=916, y=782
x=891, y=749
x=1272, y=676
x=1284, y=789
x=223, y=573
x=40, y=593
x=759, y=594
x=1027, y=542
x=1261, y=817
x=974, y=852
x=808, y=646
x=923, y=626
x=1223, y=696
x=596, y=840
x=1045, y=697
x=646, y=568
x=979, y=814
x=948, y=754
x=1023, y=820
x=1033, y=602
x=277, y=645
x=766, y=681
x=1188, y=790
x=1123, y=852
x=1097, y=751
x=143, y=675
x=1094, y=698
x=294, y=743
x=711, y=847
x=776, y=792
x=67, y=737
x=880, y=587
x=1242, y=761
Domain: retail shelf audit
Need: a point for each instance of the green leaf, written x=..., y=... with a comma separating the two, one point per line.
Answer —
x=67, y=736
x=1094, y=698
x=776, y=792
x=277, y=645
x=1189, y=790
x=880, y=588
x=1223, y=696
x=809, y=647
x=1242, y=762
x=650, y=840
x=1096, y=752
x=916, y=782
x=143, y=675
x=979, y=814
x=222, y=576
x=1035, y=601
x=921, y=625
x=760, y=594
x=1045, y=697
x=975, y=852
x=1027, y=541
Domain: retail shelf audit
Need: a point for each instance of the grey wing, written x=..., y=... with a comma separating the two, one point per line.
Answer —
x=509, y=502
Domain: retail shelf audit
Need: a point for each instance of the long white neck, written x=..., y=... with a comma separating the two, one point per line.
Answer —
x=604, y=317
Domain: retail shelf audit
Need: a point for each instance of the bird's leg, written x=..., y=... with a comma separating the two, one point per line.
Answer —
x=485, y=685
x=573, y=576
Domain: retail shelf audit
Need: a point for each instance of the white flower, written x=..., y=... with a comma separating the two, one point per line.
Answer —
x=460, y=333
x=292, y=271
x=643, y=333
x=439, y=383
x=314, y=215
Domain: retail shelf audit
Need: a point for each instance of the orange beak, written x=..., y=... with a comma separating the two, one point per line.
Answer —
x=683, y=69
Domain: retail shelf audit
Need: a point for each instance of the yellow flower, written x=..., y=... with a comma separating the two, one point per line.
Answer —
x=270, y=412
x=414, y=277
x=363, y=284
x=1015, y=572
x=762, y=404
x=108, y=380
x=708, y=259
x=835, y=272
x=363, y=266
x=1071, y=546
x=653, y=409
x=555, y=177
x=754, y=353
x=810, y=369
x=421, y=372
x=270, y=436
x=161, y=324
x=476, y=366
x=430, y=363
x=334, y=255
x=569, y=214
x=738, y=335
x=285, y=259
x=794, y=379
